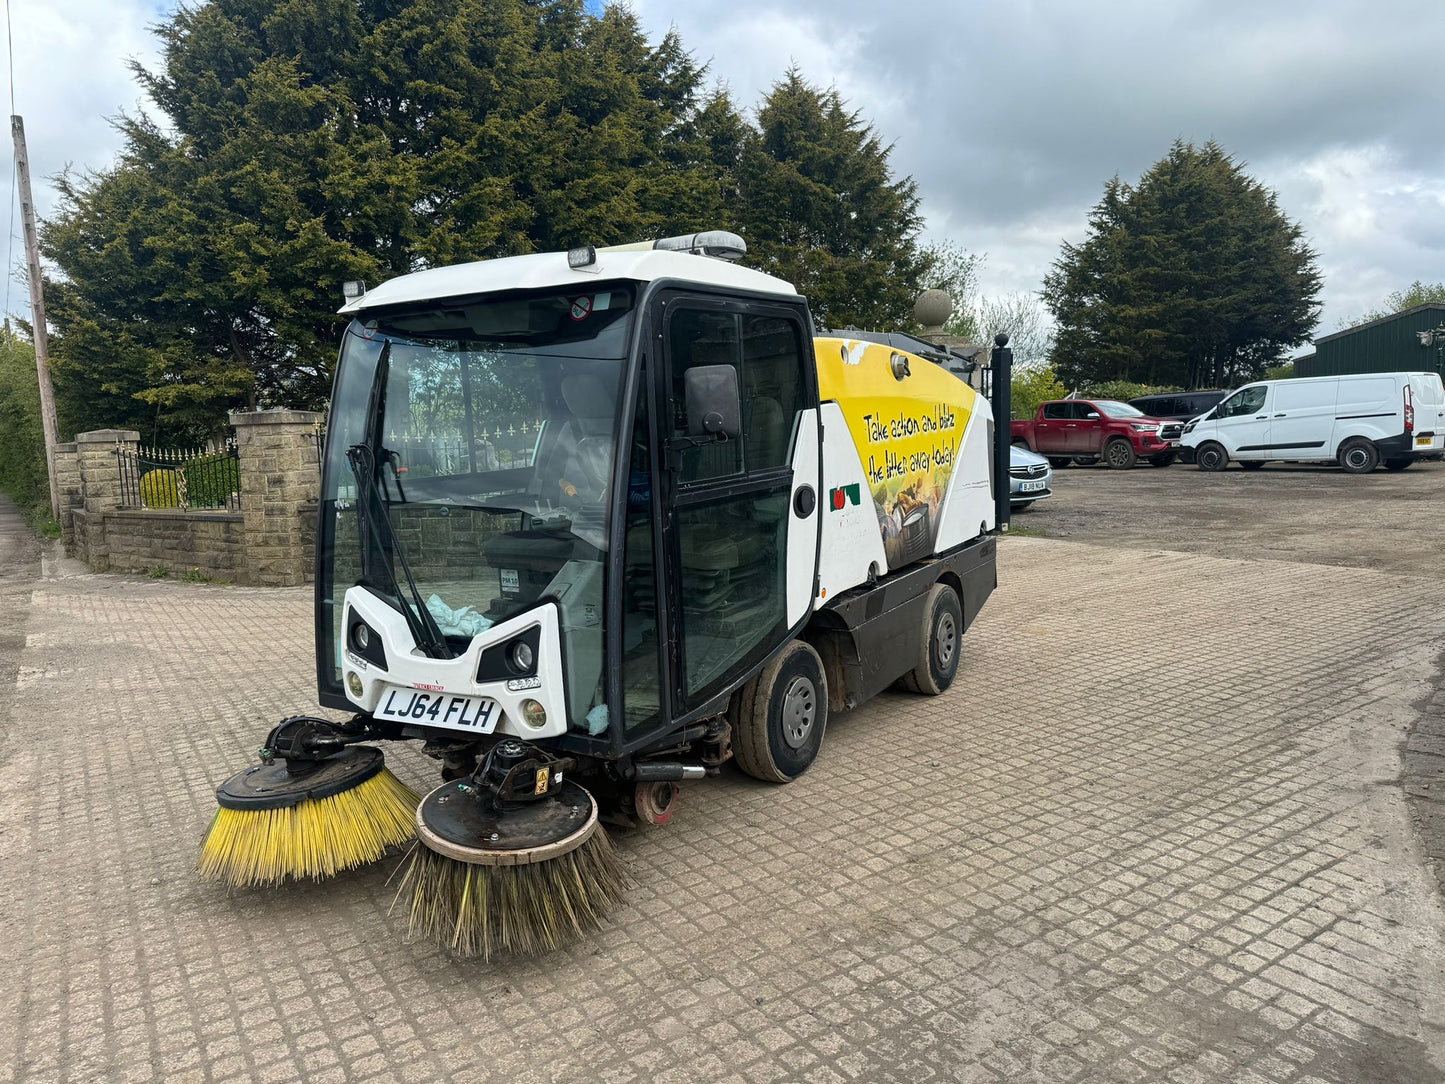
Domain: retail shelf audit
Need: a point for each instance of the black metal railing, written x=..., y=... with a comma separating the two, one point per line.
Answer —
x=174, y=478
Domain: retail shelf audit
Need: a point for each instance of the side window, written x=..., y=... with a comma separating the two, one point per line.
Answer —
x=1245, y=401
x=1056, y=411
x=767, y=353
x=1082, y=412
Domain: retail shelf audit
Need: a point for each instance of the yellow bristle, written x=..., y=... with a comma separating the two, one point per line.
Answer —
x=316, y=838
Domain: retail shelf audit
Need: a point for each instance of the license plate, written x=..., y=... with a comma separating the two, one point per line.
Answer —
x=1031, y=487
x=1423, y=442
x=474, y=713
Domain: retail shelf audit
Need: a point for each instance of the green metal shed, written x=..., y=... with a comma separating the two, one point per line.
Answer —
x=1388, y=345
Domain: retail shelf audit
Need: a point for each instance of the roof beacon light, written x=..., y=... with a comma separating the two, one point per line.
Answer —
x=719, y=244
x=582, y=258
x=353, y=289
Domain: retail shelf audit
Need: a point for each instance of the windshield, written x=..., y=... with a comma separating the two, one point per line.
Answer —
x=498, y=415
x=1113, y=409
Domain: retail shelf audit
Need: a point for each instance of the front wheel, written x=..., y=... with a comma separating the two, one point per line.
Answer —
x=1359, y=456
x=1119, y=454
x=1211, y=456
x=1397, y=464
x=939, y=639
x=1165, y=460
x=778, y=718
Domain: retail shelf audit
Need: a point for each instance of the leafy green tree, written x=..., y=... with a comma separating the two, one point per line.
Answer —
x=22, y=442
x=307, y=142
x=1032, y=386
x=1192, y=277
x=822, y=209
x=1417, y=293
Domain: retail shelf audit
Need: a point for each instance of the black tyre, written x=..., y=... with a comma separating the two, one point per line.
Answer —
x=1211, y=456
x=1165, y=460
x=1119, y=454
x=1084, y=460
x=1397, y=464
x=1020, y=506
x=1252, y=464
x=1359, y=456
x=1059, y=462
x=778, y=718
x=940, y=637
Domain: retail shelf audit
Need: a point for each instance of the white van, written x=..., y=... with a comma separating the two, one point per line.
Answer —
x=1358, y=421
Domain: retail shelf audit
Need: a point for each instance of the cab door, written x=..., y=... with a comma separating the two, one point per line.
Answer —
x=1087, y=435
x=740, y=516
x=1242, y=423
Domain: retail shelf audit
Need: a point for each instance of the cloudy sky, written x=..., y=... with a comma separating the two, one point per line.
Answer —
x=1010, y=115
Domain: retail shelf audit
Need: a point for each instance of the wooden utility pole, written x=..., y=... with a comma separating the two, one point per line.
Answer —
x=37, y=311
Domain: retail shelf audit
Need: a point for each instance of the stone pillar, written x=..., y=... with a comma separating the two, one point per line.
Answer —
x=68, y=482
x=280, y=472
x=99, y=470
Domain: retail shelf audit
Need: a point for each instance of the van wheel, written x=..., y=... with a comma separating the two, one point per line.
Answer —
x=1251, y=464
x=1359, y=456
x=778, y=718
x=1059, y=462
x=1211, y=456
x=939, y=640
x=1119, y=454
x=1397, y=464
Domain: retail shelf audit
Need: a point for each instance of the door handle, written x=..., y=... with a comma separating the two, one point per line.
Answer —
x=1281, y=415
x=1260, y=417
x=1071, y=425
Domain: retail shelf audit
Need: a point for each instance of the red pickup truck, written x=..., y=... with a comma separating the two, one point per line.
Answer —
x=1068, y=429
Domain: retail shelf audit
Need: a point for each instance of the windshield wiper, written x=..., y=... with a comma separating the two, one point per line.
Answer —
x=371, y=508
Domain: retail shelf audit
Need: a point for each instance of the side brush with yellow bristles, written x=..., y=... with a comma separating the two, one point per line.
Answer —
x=316, y=805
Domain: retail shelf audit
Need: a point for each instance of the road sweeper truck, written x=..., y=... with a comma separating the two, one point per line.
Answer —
x=592, y=524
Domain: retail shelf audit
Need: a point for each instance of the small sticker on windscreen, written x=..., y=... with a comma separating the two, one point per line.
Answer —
x=581, y=307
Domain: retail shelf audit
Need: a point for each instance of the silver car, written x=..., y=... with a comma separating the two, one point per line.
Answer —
x=1030, y=478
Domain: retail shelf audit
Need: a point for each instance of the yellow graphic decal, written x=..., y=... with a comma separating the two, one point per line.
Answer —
x=907, y=432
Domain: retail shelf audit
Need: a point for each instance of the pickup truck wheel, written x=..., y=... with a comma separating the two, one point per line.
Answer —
x=1165, y=460
x=1359, y=456
x=1397, y=464
x=1119, y=454
x=778, y=718
x=939, y=639
x=1211, y=456
x=1084, y=461
x=1059, y=462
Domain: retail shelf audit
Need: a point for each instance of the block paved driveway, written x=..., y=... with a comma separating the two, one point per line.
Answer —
x=1161, y=839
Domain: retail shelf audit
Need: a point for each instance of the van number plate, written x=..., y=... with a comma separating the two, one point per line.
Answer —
x=1031, y=487
x=1423, y=441
x=474, y=713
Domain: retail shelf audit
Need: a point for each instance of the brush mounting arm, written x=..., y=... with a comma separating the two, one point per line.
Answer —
x=303, y=741
x=514, y=771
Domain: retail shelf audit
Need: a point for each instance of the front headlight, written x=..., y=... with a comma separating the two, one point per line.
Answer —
x=1140, y=428
x=1189, y=425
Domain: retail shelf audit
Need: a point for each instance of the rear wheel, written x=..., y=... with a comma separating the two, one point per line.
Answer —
x=1251, y=464
x=1119, y=454
x=1397, y=464
x=778, y=718
x=1059, y=462
x=1165, y=460
x=1359, y=456
x=939, y=639
x=1211, y=456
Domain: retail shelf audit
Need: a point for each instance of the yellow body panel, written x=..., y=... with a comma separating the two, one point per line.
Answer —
x=907, y=431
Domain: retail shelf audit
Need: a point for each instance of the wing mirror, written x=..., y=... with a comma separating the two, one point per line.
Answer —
x=1092, y=416
x=714, y=409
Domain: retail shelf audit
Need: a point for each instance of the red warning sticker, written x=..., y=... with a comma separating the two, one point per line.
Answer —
x=581, y=307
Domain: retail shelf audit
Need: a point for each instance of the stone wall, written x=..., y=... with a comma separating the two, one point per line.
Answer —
x=267, y=543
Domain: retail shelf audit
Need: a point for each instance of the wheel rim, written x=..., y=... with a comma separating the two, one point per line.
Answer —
x=1209, y=459
x=1118, y=454
x=1357, y=457
x=800, y=711
x=945, y=639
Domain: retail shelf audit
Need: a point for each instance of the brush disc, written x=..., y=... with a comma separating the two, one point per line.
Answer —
x=455, y=821
x=271, y=786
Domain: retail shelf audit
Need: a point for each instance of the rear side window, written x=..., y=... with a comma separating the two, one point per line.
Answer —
x=1302, y=396
x=1056, y=411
